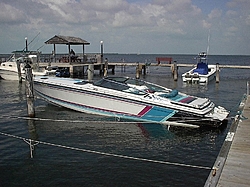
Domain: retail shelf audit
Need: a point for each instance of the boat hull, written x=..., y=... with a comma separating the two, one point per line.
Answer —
x=102, y=104
x=191, y=77
x=9, y=75
x=9, y=70
x=90, y=98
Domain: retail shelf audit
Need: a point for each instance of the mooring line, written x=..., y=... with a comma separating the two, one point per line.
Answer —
x=116, y=120
x=30, y=142
x=75, y=121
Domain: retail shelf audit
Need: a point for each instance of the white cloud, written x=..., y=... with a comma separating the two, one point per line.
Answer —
x=231, y=13
x=215, y=14
x=177, y=22
x=248, y=20
x=11, y=15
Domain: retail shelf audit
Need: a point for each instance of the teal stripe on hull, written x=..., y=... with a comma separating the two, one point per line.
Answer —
x=158, y=114
x=155, y=114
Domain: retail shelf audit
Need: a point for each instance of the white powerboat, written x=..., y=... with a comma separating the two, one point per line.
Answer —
x=131, y=99
x=9, y=69
x=202, y=73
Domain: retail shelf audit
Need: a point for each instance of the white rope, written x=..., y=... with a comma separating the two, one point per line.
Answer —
x=116, y=120
x=29, y=141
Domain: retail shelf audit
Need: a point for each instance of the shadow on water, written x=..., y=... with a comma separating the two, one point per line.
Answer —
x=58, y=166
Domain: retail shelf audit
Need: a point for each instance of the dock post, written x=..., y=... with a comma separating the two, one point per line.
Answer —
x=247, y=88
x=217, y=73
x=113, y=70
x=71, y=70
x=29, y=90
x=138, y=70
x=175, y=71
x=90, y=72
x=123, y=68
x=101, y=69
x=105, y=68
x=144, y=69
x=19, y=71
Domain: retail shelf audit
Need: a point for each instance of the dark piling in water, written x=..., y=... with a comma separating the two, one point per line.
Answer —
x=217, y=73
x=19, y=71
x=29, y=90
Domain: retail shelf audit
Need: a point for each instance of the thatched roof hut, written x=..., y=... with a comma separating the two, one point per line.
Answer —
x=68, y=40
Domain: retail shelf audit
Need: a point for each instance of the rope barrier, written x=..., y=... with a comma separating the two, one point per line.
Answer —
x=116, y=120
x=32, y=146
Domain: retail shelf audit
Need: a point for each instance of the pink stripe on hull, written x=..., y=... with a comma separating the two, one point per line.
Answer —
x=187, y=100
x=144, y=111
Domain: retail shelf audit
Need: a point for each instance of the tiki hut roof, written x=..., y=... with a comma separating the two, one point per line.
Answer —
x=68, y=40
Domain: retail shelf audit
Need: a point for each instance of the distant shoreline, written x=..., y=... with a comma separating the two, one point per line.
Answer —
x=160, y=54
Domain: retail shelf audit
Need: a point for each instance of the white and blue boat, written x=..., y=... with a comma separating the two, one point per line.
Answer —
x=202, y=73
x=130, y=99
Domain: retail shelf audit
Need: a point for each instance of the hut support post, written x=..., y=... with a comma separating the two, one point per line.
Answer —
x=69, y=54
x=83, y=54
x=54, y=54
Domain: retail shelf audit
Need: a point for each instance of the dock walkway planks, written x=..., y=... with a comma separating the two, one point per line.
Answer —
x=232, y=166
x=236, y=171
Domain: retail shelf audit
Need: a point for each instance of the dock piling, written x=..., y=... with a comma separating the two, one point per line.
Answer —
x=175, y=71
x=247, y=88
x=19, y=71
x=90, y=72
x=105, y=68
x=138, y=70
x=29, y=90
x=217, y=73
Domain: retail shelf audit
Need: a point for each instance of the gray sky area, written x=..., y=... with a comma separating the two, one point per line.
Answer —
x=129, y=26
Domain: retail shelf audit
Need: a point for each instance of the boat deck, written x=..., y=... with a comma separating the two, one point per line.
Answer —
x=234, y=154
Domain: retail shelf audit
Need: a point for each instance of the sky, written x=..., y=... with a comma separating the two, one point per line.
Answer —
x=128, y=26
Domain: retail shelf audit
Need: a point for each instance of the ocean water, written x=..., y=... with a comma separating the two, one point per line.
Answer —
x=78, y=149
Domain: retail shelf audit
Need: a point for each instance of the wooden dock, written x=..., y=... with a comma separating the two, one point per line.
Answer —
x=232, y=167
x=79, y=69
x=44, y=64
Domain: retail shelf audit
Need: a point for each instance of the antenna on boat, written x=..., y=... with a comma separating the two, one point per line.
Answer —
x=40, y=47
x=208, y=41
x=31, y=41
x=34, y=38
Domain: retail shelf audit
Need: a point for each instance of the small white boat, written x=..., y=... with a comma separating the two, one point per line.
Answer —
x=131, y=99
x=9, y=69
x=202, y=73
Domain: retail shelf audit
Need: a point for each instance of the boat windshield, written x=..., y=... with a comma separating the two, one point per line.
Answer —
x=150, y=87
x=138, y=84
x=119, y=85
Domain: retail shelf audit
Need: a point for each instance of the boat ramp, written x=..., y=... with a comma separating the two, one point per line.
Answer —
x=232, y=166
